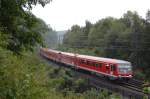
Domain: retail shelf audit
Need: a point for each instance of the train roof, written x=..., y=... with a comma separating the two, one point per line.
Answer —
x=109, y=60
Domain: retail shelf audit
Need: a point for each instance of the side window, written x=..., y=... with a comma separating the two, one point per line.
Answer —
x=100, y=65
x=113, y=68
x=88, y=63
x=96, y=64
x=82, y=61
x=93, y=64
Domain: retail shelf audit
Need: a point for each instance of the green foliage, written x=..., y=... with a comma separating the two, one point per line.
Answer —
x=22, y=28
x=100, y=94
x=3, y=40
x=146, y=89
x=139, y=75
x=21, y=77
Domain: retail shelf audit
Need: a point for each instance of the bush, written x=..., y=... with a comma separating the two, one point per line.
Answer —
x=139, y=75
x=21, y=77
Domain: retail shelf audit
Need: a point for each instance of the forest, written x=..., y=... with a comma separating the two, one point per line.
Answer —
x=24, y=74
x=126, y=38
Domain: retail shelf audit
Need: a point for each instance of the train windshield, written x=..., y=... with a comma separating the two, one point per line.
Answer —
x=124, y=68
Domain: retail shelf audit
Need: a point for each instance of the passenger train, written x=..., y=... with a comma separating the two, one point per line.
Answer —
x=111, y=68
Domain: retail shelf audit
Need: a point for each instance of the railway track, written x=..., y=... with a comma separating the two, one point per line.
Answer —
x=133, y=85
x=127, y=90
x=131, y=89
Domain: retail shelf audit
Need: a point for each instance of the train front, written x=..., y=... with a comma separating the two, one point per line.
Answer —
x=125, y=70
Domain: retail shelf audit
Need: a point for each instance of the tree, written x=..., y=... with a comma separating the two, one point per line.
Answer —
x=18, y=23
x=148, y=16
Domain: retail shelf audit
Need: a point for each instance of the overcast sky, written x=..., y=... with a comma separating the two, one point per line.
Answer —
x=62, y=14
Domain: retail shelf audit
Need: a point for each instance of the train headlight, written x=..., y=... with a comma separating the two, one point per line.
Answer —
x=130, y=75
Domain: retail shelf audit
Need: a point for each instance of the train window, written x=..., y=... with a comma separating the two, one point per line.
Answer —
x=82, y=61
x=92, y=64
x=96, y=65
x=100, y=65
x=88, y=63
x=113, y=68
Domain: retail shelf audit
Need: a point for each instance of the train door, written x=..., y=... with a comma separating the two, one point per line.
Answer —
x=112, y=69
x=107, y=68
x=59, y=57
x=97, y=66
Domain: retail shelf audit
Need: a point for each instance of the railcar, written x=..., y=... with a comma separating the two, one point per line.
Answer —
x=112, y=68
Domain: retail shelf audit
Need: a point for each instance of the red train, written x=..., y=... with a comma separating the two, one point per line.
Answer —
x=112, y=68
